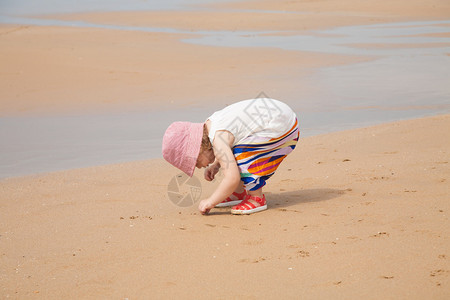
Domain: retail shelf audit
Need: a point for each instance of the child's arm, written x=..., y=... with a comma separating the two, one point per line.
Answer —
x=224, y=155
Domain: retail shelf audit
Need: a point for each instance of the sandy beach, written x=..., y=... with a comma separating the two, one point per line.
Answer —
x=356, y=214
x=51, y=69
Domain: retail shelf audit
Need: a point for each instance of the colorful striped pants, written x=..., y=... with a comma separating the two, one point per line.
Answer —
x=259, y=157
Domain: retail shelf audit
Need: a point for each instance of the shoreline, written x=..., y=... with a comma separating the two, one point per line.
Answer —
x=353, y=214
x=333, y=91
x=96, y=154
x=145, y=76
x=348, y=212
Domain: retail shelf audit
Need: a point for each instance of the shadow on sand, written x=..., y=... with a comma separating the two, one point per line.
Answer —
x=287, y=199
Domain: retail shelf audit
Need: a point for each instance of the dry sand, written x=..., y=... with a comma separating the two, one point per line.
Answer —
x=362, y=214
x=356, y=214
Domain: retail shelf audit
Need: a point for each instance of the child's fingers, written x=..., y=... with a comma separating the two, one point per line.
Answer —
x=203, y=207
x=207, y=175
x=204, y=211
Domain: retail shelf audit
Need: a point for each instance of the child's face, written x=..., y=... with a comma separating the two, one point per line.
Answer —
x=205, y=158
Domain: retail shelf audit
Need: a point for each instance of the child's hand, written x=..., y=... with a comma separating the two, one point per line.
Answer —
x=211, y=171
x=204, y=207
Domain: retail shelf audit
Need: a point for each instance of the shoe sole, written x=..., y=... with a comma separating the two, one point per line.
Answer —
x=230, y=203
x=248, y=211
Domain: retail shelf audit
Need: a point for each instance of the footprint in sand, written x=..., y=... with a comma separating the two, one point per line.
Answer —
x=286, y=180
x=285, y=209
x=137, y=217
x=380, y=234
x=254, y=242
x=302, y=253
x=439, y=272
x=380, y=178
x=260, y=259
x=299, y=253
x=254, y=261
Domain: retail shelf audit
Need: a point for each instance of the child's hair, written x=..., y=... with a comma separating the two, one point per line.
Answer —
x=206, y=143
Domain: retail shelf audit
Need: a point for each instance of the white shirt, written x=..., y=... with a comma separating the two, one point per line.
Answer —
x=262, y=117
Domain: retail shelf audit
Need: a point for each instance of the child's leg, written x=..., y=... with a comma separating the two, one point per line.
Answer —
x=238, y=195
x=239, y=190
x=240, y=187
x=258, y=193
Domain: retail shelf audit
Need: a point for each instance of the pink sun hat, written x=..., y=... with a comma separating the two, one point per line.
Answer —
x=181, y=145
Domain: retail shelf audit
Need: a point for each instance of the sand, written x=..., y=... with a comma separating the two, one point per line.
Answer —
x=356, y=214
x=49, y=70
x=359, y=214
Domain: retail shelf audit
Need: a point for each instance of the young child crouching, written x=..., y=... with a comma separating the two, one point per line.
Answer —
x=247, y=140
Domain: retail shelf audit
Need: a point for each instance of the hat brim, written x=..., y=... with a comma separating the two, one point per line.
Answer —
x=193, y=148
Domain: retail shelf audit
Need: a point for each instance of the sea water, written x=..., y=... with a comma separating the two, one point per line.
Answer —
x=35, y=7
x=407, y=77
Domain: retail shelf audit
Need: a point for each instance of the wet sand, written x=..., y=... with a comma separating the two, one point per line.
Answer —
x=69, y=77
x=81, y=75
x=354, y=214
x=278, y=15
x=51, y=69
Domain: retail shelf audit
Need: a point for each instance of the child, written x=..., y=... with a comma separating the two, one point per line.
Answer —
x=248, y=140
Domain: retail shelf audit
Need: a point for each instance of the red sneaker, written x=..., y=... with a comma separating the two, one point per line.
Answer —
x=250, y=205
x=228, y=202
